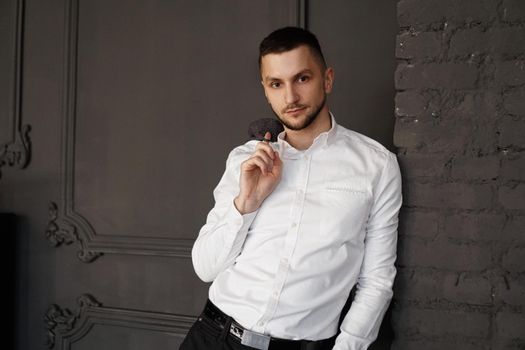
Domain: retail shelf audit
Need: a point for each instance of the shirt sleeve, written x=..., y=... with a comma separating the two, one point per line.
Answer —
x=221, y=238
x=374, y=284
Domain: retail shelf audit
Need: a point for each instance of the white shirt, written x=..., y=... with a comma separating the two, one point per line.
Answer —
x=287, y=269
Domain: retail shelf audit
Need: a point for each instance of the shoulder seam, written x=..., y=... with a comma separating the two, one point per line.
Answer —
x=356, y=137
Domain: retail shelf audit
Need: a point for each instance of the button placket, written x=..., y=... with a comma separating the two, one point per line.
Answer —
x=290, y=242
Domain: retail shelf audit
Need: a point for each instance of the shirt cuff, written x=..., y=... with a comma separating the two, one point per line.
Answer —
x=240, y=223
x=345, y=341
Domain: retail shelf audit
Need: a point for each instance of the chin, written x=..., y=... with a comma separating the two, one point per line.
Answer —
x=296, y=125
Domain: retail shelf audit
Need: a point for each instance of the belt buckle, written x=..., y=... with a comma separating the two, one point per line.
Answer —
x=255, y=340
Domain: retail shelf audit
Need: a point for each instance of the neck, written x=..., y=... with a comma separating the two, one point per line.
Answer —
x=303, y=139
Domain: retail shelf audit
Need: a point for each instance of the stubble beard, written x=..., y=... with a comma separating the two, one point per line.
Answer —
x=307, y=121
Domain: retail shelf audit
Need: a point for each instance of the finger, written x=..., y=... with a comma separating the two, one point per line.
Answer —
x=277, y=165
x=265, y=156
x=258, y=162
x=266, y=161
x=266, y=147
x=277, y=159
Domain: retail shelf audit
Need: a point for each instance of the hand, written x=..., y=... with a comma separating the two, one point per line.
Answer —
x=260, y=174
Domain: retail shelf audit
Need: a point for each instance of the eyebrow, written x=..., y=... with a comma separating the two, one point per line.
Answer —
x=304, y=71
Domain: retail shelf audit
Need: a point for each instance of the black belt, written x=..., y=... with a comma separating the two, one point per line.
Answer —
x=222, y=320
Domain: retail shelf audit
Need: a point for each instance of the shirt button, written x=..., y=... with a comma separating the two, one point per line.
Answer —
x=294, y=224
x=260, y=323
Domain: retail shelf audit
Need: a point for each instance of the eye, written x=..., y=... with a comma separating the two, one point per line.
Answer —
x=274, y=84
x=303, y=78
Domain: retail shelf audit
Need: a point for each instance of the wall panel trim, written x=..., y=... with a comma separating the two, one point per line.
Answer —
x=67, y=226
x=66, y=327
x=17, y=152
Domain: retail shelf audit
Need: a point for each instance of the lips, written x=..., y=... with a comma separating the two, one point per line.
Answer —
x=294, y=110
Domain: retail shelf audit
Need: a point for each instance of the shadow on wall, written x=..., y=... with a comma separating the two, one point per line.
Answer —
x=8, y=230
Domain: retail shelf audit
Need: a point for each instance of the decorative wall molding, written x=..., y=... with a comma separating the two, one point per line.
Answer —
x=61, y=321
x=298, y=13
x=302, y=13
x=61, y=231
x=17, y=152
x=65, y=327
x=66, y=225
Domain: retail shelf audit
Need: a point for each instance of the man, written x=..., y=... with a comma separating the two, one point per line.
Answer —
x=298, y=222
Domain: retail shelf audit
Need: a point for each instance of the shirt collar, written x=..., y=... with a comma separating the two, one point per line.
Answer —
x=321, y=140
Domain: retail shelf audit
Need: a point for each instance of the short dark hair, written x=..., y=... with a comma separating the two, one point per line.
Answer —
x=289, y=38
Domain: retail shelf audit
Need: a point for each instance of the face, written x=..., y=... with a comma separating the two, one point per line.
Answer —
x=296, y=85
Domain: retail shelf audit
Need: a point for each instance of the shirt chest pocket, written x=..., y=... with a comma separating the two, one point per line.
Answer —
x=344, y=209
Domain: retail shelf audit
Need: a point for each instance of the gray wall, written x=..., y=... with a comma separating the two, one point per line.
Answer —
x=357, y=40
x=116, y=119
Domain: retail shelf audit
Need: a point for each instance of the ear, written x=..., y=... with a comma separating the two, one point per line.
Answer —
x=328, y=79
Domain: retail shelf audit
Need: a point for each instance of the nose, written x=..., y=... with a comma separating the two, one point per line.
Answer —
x=291, y=96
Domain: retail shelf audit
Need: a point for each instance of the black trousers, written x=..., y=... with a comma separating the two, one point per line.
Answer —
x=207, y=335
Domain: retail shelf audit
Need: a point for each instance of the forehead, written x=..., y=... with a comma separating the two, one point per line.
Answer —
x=286, y=64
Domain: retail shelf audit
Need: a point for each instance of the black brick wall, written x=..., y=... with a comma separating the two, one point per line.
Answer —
x=460, y=133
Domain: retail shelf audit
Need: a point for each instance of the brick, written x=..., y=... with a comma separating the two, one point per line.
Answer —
x=412, y=12
x=475, y=168
x=410, y=134
x=511, y=133
x=480, y=112
x=508, y=344
x=509, y=41
x=469, y=289
x=417, y=224
x=402, y=344
x=442, y=323
x=481, y=107
x=418, y=45
x=512, y=197
x=468, y=41
x=514, y=102
x=512, y=292
x=515, y=230
x=410, y=103
x=503, y=41
x=474, y=227
x=449, y=195
x=433, y=75
x=431, y=136
x=422, y=165
x=510, y=73
x=441, y=101
x=510, y=325
x=513, y=10
x=513, y=168
x=474, y=290
x=513, y=260
x=484, y=139
x=443, y=255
